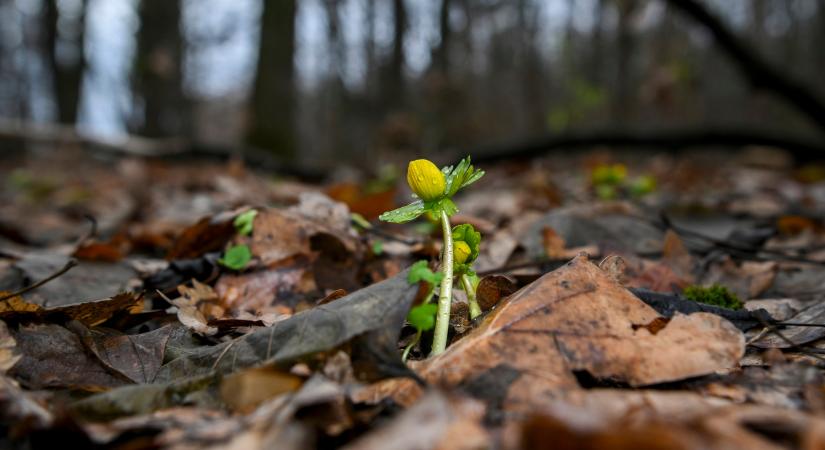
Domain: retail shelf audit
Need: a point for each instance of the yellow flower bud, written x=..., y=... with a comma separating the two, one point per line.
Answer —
x=425, y=179
x=461, y=251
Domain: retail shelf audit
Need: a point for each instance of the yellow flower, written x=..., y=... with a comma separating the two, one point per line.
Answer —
x=461, y=251
x=426, y=180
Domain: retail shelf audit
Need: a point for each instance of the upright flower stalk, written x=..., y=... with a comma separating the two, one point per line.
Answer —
x=433, y=190
x=445, y=295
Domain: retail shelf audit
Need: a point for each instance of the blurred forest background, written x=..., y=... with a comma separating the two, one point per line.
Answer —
x=366, y=81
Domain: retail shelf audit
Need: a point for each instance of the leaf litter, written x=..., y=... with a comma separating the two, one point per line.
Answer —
x=295, y=340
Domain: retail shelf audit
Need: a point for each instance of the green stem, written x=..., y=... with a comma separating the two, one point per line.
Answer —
x=475, y=310
x=445, y=294
x=410, y=346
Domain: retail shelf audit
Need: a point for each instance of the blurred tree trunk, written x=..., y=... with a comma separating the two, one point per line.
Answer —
x=158, y=73
x=819, y=38
x=597, y=53
x=532, y=70
x=441, y=54
x=369, y=42
x=272, y=110
x=623, y=105
x=66, y=58
x=394, y=86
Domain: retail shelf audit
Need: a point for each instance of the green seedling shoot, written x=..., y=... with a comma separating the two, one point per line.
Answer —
x=243, y=222
x=238, y=256
x=422, y=317
x=610, y=180
x=433, y=191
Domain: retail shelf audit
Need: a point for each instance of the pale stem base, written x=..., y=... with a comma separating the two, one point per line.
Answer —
x=445, y=294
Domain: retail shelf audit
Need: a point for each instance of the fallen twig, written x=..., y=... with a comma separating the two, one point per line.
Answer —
x=71, y=263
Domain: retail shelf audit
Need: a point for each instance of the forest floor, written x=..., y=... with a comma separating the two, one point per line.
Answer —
x=149, y=331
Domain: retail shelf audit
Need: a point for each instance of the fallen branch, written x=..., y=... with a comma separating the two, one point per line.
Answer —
x=673, y=139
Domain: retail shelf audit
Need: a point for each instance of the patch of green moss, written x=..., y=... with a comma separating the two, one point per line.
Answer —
x=716, y=295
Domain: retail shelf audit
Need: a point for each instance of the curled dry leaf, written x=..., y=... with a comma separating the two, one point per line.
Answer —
x=88, y=313
x=578, y=319
x=196, y=306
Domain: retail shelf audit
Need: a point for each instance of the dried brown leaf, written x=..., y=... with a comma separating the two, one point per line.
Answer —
x=577, y=318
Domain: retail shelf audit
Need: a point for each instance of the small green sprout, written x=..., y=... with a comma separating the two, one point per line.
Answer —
x=236, y=257
x=420, y=271
x=609, y=174
x=378, y=248
x=433, y=190
x=716, y=295
x=642, y=186
x=422, y=317
x=244, y=221
x=609, y=181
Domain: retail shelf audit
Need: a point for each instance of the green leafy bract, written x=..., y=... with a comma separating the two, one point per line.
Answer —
x=243, y=222
x=463, y=175
x=422, y=317
x=237, y=257
x=420, y=271
x=456, y=177
x=405, y=213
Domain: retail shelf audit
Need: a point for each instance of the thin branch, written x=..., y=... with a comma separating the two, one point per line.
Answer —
x=71, y=263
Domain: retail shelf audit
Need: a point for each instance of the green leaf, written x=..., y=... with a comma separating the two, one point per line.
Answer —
x=422, y=317
x=420, y=271
x=243, y=222
x=445, y=204
x=377, y=248
x=404, y=213
x=461, y=176
x=236, y=258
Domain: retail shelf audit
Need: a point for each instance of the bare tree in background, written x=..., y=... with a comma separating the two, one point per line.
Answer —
x=66, y=57
x=394, y=89
x=162, y=106
x=272, y=104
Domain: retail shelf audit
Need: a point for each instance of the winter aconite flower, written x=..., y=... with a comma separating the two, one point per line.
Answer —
x=461, y=251
x=435, y=189
x=426, y=180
